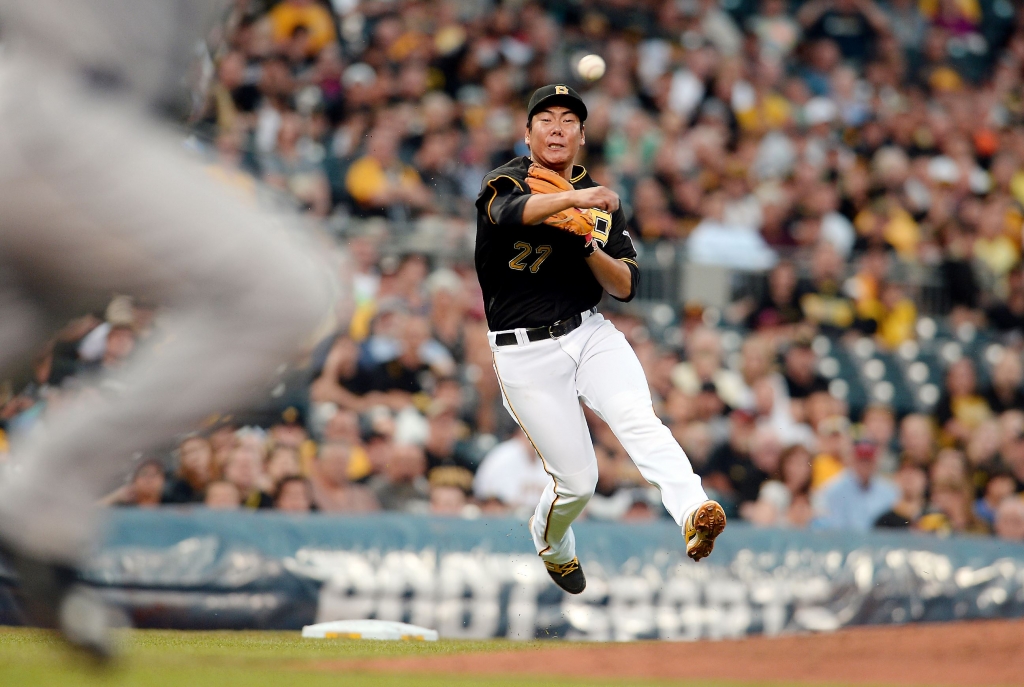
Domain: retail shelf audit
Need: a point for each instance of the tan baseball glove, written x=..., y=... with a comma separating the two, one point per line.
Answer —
x=573, y=220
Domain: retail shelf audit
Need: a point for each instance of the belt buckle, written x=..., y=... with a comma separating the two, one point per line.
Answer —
x=562, y=327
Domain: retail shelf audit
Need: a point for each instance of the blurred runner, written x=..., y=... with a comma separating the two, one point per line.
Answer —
x=97, y=198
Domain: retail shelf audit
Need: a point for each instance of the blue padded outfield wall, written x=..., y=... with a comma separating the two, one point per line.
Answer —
x=204, y=570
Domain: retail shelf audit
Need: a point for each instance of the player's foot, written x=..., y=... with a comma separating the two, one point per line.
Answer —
x=50, y=595
x=568, y=576
x=702, y=526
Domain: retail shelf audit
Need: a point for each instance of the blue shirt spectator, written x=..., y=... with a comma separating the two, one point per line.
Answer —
x=856, y=496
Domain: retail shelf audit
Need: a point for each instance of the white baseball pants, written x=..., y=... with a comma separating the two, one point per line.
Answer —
x=542, y=383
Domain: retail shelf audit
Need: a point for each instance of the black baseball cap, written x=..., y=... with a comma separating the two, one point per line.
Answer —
x=560, y=95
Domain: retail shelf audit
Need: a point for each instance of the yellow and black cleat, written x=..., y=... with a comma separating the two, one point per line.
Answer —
x=568, y=576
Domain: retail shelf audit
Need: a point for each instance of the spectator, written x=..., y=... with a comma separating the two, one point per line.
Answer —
x=295, y=165
x=289, y=15
x=1007, y=315
x=854, y=25
x=282, y=463
x=245, y=470
x=730, y=472
x=1004, y=391
x=121, y=342
x=893, y=314
x=704, y=366
x=195, y=471
x=145, y=490
x=697, y=441
x=449, y=491
x=92, y=347
x=879, y=425
x=380, y=183
x=348, y=386
x=961, y=408
x=437, y=162
x=907, y=24
x=912, y=482
x=982, y=452
x=223, y=441
x=778, y=306
x=332, y=490
x=410, y=372
x=444, y=443
x=1010, y=520
x=765, y=454
x=289, y=431
x=449, y=304
x=857, y=496
x=222, y=495
x=402, y=484
x=294, y=495
x=785, y=502
x=834, y=450
x=512, y=473
x=951, y=510
x=757, y=360
x=917, y=440
x=800, y=372
x=1000, y=486
x=822, y=299
x=1011, y=455
x=777, y=33
x=959, y=17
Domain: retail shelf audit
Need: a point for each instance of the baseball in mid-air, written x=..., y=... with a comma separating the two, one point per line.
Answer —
x=591, y=67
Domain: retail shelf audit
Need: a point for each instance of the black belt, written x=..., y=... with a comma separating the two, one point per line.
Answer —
x=554, y=331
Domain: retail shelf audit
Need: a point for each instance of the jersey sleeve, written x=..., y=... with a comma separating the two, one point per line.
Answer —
x=620, y=247
x=501, y=199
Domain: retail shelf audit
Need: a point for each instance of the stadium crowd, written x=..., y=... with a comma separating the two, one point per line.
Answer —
x=856, y=141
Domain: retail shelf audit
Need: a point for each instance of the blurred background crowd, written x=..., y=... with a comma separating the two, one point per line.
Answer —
x=827, y=197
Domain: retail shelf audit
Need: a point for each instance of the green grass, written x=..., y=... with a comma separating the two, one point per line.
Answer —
x=35, y=658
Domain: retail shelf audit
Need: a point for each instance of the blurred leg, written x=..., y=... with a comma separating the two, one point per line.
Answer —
x=96, y=199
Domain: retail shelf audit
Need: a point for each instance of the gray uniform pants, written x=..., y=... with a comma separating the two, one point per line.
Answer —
x=97, y=199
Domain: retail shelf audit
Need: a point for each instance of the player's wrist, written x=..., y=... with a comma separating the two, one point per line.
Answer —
x=589, y=247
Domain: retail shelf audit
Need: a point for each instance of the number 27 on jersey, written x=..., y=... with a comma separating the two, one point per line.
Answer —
x=518, y=263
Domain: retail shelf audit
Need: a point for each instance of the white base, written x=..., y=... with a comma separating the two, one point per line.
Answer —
x=368, y=629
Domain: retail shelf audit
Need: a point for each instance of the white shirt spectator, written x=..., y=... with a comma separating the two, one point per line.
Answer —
x=838, y=231
x=720, y=30
x=512, y=473
x=94, y=344
x=685, y=92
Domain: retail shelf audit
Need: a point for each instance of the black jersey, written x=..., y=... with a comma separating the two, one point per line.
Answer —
x=535, y=275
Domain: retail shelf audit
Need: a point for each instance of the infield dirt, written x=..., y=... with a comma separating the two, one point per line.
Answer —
x=965, y=653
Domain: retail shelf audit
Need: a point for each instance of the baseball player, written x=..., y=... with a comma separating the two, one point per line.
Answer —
x=97, y=198
x=549, y=242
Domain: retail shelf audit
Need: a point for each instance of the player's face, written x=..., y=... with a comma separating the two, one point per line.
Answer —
x=555, y=136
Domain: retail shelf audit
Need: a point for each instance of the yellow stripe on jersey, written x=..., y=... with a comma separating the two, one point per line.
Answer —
x=490, y=186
